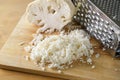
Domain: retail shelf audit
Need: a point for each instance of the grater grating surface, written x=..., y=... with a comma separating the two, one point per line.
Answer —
x=102, y=20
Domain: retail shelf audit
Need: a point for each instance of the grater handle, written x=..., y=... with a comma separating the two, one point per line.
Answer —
x=118, y=51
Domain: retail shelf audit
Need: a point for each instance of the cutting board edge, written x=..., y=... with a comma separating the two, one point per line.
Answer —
x=30, y=71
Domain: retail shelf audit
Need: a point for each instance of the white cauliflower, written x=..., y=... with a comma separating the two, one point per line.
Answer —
x=50, y=14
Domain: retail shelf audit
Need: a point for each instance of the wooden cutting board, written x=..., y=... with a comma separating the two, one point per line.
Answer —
x=12, y=57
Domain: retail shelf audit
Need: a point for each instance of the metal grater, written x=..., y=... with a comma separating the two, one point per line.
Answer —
x=102, y=20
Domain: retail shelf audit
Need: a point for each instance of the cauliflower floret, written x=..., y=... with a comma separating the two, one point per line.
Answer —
x=50, y=14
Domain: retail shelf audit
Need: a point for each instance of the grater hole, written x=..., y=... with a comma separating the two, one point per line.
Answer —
x=105, y=30
x=101, y=24
x=106, y=26
x=78, y=14
x=93, y=17
x=97, y=18
x=97, y=23
x=101, y=19
x=100, y=28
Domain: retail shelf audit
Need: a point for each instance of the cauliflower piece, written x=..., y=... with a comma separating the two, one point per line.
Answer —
x=50, y=14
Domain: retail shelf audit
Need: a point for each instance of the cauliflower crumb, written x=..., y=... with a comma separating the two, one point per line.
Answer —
x=21, y=43
x=27, y=58
x=59, y=71
x=43, y=68
x=97, y=55
x=93, y=67
x=103, y=49
x=89, y=61
x=27, y=49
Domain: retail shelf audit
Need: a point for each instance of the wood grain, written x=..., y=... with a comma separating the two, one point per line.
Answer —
x=10, y=13
x=12, y=57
